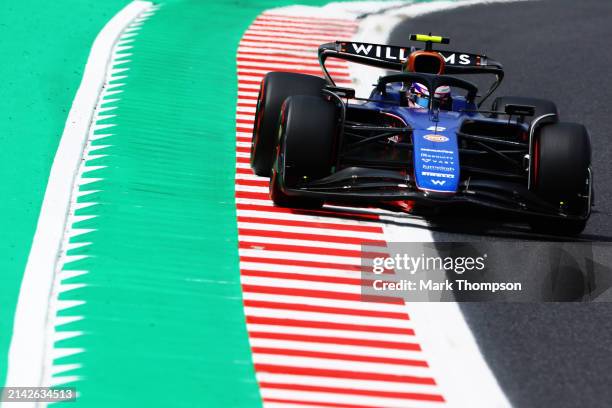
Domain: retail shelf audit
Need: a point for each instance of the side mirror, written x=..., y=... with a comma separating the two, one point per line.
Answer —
x=519, y=110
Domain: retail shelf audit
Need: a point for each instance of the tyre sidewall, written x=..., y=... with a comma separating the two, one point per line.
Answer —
x=274, y=89
x=561, y=161
x=308, y=138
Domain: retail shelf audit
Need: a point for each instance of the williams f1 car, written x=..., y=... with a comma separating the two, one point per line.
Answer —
x=420, y=136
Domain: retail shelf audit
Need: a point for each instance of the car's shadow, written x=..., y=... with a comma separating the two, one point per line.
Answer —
x=461, y=224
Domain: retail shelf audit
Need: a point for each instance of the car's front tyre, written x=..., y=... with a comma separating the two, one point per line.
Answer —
x=560, y=174
x=308, y=130
x=274, y=89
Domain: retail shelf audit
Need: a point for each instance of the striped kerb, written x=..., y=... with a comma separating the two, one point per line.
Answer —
x=314, y=341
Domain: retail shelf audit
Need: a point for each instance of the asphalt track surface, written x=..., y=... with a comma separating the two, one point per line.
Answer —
x=543, y=355
x=552, y=49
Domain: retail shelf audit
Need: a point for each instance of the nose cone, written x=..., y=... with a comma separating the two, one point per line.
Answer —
x=436, y=160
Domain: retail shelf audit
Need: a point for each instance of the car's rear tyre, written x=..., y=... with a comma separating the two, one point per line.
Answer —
x=308, y=130
x=274, y=89
x=561, y=159
x=542, y=107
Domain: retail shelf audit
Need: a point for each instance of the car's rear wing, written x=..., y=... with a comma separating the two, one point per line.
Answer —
x=394, y=57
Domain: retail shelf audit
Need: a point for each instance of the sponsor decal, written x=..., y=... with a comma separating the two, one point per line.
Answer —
x=438, y=182
x=384, y=52
x=432, y=174
x=438, y=168
x=391, y=53
x=438, y=128
x=435, y=158
x=441, y=160
x=436, y=138
x=437, y=151
x=454, y=59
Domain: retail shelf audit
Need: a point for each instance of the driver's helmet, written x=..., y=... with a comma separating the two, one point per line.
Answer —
x=419, y=95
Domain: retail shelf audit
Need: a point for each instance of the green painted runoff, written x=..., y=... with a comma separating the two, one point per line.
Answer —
x=44, y=47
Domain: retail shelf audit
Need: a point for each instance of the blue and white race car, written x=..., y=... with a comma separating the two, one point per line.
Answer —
x=421, y=137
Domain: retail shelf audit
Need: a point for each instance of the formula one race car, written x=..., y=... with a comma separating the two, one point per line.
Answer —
x=420, y=137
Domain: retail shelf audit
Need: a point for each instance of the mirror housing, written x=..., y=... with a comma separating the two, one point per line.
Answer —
x=519, y=110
